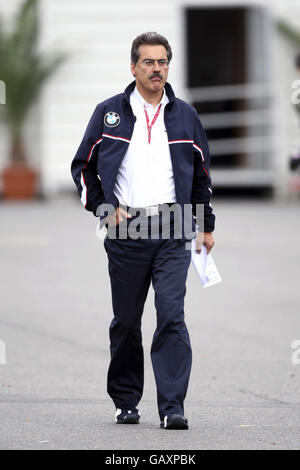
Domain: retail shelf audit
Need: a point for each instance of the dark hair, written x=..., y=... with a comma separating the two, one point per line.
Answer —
x=151, y=39
x=297, y=60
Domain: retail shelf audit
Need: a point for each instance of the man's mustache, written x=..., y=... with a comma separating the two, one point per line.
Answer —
x=155, y=75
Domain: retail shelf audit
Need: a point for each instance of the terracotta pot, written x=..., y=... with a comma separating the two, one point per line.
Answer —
x=19, y=182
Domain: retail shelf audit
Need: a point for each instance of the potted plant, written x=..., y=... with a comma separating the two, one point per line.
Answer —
x=24, y=71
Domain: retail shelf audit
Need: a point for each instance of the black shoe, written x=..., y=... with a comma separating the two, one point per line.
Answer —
x=174, y=422
x=131, y=416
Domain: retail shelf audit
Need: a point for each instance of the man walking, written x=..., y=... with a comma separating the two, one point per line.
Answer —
x=145, y=150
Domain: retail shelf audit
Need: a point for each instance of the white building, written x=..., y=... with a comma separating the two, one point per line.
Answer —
x=228, y=60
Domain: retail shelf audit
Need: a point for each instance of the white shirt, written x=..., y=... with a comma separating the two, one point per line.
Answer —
x=145, y=177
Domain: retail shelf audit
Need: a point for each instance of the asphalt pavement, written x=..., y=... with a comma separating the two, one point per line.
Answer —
x=55, y=311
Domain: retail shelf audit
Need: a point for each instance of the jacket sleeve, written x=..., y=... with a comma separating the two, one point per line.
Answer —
x=84, y=165
x=202, y=188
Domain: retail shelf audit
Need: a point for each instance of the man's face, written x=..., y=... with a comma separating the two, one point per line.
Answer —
x=151, y=70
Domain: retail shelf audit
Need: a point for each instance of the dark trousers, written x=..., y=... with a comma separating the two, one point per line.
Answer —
x=133, y=264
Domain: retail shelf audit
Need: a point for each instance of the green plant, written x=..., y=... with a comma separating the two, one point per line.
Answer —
x=24, y=70
x=290, y=33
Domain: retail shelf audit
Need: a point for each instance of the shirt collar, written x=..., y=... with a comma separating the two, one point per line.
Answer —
x=164, y=100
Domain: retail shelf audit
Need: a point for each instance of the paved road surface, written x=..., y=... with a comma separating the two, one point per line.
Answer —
x=55, y=312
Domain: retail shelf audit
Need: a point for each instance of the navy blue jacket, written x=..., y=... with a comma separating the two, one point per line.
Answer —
x=98, y=158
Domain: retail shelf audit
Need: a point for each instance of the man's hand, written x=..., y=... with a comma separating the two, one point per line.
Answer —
x=119, y=215
x=204, y=238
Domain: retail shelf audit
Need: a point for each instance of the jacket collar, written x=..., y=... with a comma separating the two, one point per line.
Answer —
x=131, y=86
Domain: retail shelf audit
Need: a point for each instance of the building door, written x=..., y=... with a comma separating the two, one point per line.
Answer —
x=228, y=79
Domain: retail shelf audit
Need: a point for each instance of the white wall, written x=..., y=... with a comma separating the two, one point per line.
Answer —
x=98, y=35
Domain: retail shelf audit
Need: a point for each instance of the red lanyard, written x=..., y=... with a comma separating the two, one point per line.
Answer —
x=149, y=126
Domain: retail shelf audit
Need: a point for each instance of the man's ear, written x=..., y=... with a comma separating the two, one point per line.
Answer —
x=132, y=68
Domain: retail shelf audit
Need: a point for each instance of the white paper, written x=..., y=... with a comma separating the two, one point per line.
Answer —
x=205, y=266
